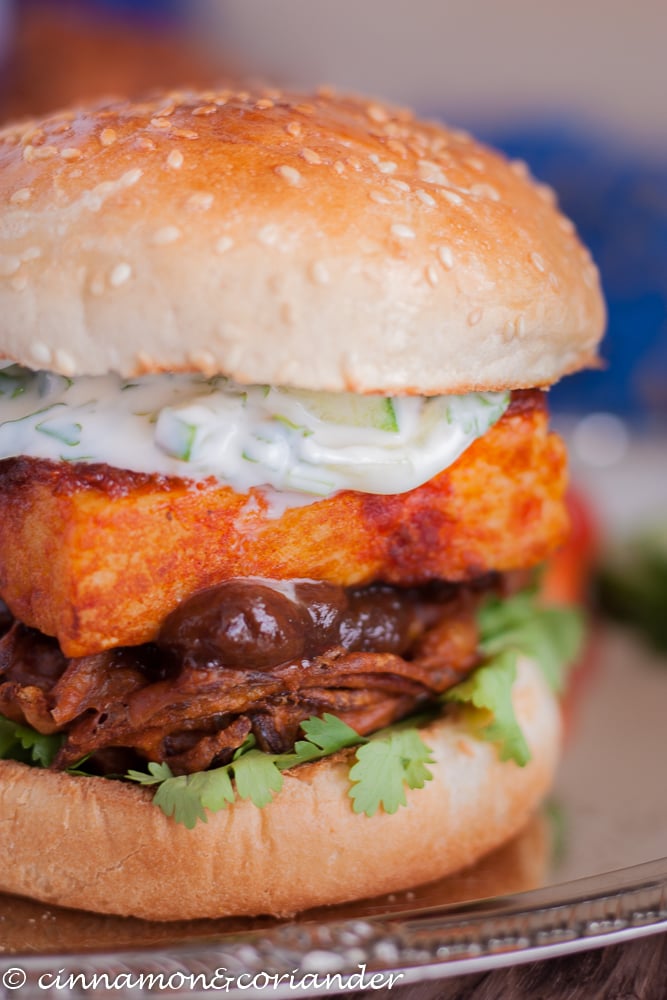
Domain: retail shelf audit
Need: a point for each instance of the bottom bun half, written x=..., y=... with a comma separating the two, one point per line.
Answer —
x=101, y=845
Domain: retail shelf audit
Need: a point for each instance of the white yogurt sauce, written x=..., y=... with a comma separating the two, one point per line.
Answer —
x=195, y=427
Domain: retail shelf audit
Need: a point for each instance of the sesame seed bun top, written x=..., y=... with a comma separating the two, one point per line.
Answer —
x=319, y=241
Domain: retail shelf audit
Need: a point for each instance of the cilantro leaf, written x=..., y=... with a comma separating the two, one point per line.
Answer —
x=383, y=769
x=217, y=790
x=488, y=692
x=328, y=733
x=22, y=743
x=157, y=773
x=257, y=774
x=181, y=797
x=257, y=777
x=552, y=636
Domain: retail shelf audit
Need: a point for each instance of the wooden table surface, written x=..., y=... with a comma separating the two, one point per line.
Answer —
x=634, y=970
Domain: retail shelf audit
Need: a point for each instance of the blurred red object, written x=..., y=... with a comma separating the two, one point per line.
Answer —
x=68, y=51
x=568, y=574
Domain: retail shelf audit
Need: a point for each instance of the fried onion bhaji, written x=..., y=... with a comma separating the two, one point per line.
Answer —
x=123, y=549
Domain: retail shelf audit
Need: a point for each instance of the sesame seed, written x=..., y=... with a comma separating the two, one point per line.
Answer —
x=387, y=166
x=65, y=363
x=339, y=167
x=398, y=147
x=205, y=109
x=265, y=103
x=21, y=196
x=432, y=275
x=310, y=156
x=130, y=177
x=426, y=198
x=452, y=197
x=508, y=331
x=293, y=129
x=520, y=168
x=200, y=199
x=431, y=173
x=538, y=262
x=354, y=162
x=379, y=198
x=546, y=193
x=475, y=164
x=520, y=326
x=304, y=109
x=590, y=275
x=377, y=113
x=32, y=137
x=402, y=232
x=474, y=317
x=446, y=257
x=224, y=244
x=120, y=274
x=289, y=174
x=165, y=235
x=400, y=185
x=268, y=235
x=185, y=133
x=484, y=191
x=32, y=253
x=175, y=159
x=320, y=273
x=565, y=224
x=160, y=123
x=40, y=353
x=143, y=142
x=9, y=265
x=71, y=153
x=31, y=153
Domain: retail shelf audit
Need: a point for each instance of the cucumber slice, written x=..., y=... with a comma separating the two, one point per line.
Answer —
x=175, y=435
x=349, y=409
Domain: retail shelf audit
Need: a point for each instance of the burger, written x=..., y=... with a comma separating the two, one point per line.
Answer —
x=276, y=480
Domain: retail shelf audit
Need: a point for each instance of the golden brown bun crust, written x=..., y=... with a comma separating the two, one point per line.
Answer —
x=227, y=232
x=112, y=851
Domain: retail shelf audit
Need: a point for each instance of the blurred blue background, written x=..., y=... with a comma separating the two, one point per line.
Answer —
x=575, y=89
x=618, y=199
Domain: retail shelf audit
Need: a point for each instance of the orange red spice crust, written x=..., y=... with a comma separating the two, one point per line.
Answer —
x=98, y=557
